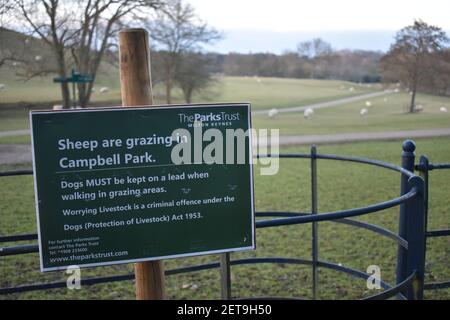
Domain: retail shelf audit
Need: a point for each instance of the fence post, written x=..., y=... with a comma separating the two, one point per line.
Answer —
x=136, y=90
x=225, y=276
x=408, y=157
x=415, y=221
x=424, y=170
x=315, y=249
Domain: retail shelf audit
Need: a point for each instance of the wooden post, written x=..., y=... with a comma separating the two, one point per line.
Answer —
x=136, y=88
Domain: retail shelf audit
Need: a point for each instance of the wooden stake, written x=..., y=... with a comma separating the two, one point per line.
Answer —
x=136, y=88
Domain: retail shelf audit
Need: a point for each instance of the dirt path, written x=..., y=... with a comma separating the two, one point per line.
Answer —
x=14, y=133
x=329, y=104
x=19, y=153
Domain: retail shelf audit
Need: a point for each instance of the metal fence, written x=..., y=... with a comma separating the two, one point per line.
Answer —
x=411, y=238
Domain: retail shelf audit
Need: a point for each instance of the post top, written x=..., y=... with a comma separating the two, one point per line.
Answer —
x=409, y=146
x=133, y=30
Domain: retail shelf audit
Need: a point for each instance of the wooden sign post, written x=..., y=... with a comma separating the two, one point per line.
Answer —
x=136, y=88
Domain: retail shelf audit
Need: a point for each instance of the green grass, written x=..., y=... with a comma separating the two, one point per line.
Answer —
x=383, y=115
x=267, y=93
x=341, y=186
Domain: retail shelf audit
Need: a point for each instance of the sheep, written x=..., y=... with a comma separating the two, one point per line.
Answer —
x=104, y=89
x=57, y=107
x=368, y=104
x=418, y=108
x=272, y=113
x=38, y=58
x=308, y=113
x=443, y=109
x=363, y=112
x=397, y=90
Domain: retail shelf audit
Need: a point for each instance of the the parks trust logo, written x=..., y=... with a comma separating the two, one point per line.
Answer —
x=212, y=119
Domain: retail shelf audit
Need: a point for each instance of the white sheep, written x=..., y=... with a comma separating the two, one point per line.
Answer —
x=38, y=58
x=104, y=89
x=272, y=113
x=57, y=107
x=397, y=90
x=368, y=104
x=308, y=113
x=443, y=109
x=363, y=112
x=419, y=108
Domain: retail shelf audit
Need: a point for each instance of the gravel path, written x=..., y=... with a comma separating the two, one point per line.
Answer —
x=19, y=153
x=14, y=133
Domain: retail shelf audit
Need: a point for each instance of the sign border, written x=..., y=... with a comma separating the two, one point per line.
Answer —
x=146, y=107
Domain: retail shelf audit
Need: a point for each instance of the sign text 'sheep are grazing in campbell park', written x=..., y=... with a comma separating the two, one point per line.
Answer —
x=117, y=185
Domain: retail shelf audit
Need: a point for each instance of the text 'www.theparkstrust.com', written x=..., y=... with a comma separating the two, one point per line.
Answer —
x=90, y=256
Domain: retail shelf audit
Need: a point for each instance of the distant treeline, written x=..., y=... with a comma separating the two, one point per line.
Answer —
x=350, y=65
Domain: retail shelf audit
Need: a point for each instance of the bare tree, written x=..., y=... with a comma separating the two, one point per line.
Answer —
x=77, y=31
x=176, y=30
x=314, y=48
x=408, y=59
x=193, y=74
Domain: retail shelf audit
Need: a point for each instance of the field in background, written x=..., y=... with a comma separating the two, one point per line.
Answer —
x=341, y=186
x=386, y=113
x=263, y=93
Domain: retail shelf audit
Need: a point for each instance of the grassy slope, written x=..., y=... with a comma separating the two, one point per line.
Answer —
x=340, y=187
x=383, y=116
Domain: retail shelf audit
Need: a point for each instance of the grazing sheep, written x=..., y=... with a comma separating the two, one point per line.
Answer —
x=443, y=109
x=418, y=108
x=57, y=107
x=363, y=112
x=104, y=89
x=368, y=104
x=38, y=58
x=272, y=113
x=396, y=90
x=308, y=113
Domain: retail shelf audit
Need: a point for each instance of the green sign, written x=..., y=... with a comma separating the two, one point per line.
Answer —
x=121, y=185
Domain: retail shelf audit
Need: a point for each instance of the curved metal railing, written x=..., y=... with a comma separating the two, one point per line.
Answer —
x=409, y=283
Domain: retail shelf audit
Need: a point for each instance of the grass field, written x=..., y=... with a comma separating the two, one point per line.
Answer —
x=341, y=186
x=385, y=114
x=264, y=93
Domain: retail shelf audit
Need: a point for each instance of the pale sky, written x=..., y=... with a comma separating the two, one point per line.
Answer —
x=278, y=25
x=301, y=15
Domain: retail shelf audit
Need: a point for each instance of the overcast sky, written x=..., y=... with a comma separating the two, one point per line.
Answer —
x=276, y=25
